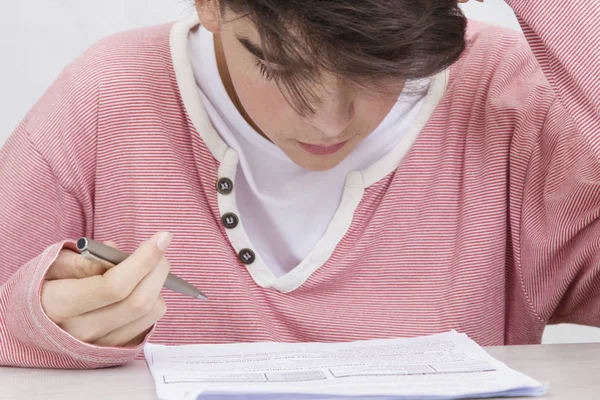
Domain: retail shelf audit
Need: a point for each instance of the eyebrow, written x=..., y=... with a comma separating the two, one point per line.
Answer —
x=251, y=47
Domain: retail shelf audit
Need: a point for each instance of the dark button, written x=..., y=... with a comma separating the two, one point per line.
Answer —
x=224, y=185
x=230, y=220
x=247, y=256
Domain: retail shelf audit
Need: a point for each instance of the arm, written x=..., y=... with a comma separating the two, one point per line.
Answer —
x=46, y=197
x=565, y=39
x=555, y=165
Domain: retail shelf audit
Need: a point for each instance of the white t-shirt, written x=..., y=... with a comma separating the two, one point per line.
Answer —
x=285, y=209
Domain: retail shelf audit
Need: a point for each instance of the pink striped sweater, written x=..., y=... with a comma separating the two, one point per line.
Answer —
x=484, y=219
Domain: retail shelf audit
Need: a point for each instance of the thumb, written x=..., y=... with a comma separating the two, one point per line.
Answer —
x=72, y=265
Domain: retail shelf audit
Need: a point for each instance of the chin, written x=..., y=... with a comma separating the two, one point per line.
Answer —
x=318, y=163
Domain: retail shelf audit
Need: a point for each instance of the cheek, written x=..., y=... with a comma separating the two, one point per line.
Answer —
x=371, y=112
x=262, y=101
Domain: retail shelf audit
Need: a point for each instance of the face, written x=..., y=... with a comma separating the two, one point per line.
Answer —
x=319, y=141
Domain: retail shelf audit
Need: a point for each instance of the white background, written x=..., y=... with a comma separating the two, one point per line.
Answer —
x=39, y=37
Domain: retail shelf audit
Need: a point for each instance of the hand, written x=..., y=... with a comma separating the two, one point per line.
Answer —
x=114, y=307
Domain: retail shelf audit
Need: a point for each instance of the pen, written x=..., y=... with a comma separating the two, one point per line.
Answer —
x=102, y=254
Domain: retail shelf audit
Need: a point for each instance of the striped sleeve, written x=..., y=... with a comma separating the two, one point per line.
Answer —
x=565, y=38
x=46, y=198
x=555, y=164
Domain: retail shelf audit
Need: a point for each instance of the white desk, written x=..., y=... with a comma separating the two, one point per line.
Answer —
x=573, y=371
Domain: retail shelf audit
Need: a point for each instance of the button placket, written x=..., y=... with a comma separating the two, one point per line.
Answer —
x=230, y=220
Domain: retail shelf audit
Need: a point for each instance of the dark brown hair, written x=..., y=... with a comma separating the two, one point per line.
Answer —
x=367, y=42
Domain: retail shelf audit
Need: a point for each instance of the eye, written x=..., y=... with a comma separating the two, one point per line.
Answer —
x=266, y=72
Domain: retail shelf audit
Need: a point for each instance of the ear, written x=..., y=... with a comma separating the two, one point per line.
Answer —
x=209, y=14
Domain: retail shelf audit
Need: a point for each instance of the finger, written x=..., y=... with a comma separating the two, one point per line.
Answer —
x=138, y=339
x=67, y=298
x=71, y=265
x=134, y=332
x=93, y=325
x=123, y=278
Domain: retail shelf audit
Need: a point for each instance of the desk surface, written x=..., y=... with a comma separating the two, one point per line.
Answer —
x=571, y=369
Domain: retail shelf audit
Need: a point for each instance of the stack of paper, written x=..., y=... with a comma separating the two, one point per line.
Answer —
x=444, y=366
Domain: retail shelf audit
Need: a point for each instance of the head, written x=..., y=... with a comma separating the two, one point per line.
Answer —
x=317, y=76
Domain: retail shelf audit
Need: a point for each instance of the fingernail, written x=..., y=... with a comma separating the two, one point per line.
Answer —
x=164, y=240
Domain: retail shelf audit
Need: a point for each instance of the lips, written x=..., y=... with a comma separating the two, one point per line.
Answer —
x=322, y=150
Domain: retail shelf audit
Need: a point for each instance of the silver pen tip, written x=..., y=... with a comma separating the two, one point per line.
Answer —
x=201, y=297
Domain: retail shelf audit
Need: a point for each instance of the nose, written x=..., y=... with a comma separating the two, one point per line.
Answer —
x=334, y=112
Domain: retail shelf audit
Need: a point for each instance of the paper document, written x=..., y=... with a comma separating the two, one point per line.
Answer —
x=444, y=366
